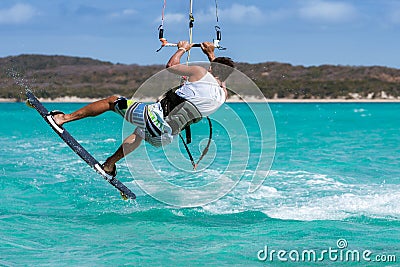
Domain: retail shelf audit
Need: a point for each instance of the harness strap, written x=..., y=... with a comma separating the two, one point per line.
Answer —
x=205, y=150
x=188, y=151
x=170, y=100
x=169, y=103
x=188, y=134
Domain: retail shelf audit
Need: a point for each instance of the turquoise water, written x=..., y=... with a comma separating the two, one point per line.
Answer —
x=336, y=175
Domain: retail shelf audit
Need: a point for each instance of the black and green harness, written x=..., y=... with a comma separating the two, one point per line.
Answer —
x=180, y=113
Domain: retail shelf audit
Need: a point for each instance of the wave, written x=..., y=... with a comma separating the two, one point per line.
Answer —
x=291, y=195
x=200, y=216
x=306, y=196
x=193, y=216
x=284, y=195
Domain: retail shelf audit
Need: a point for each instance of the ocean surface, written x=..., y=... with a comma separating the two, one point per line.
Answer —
x=332, y=196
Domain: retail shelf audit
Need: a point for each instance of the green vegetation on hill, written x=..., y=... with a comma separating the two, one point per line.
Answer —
x=326, y=81
x=59, y=76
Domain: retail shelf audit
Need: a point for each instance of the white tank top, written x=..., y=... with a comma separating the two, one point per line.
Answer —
x=205, y=94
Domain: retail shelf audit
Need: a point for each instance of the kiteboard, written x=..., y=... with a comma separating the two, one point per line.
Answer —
x=32, y=100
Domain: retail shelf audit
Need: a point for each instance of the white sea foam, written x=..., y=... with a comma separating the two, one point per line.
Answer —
x=110, y=140
x=82, y=142
x=301, y=195
x=178, y=213
x=295, y=195
x=377, y=204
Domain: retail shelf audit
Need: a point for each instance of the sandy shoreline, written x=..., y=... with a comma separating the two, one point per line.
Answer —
x=230, y=100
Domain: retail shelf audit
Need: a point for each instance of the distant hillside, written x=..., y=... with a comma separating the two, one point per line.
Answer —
x=58, y=76
x=326, y=81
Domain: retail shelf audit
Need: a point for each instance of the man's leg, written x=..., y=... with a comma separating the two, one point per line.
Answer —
x=91, y=110
x=130, y=144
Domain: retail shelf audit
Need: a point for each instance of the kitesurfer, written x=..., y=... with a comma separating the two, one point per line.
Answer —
x=203, y=92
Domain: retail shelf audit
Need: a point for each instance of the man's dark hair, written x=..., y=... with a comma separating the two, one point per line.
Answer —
x=222, y=67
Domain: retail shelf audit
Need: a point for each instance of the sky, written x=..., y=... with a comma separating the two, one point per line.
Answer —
x=298, y=32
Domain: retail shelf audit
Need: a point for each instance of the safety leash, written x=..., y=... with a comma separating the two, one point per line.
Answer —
x=205, y=150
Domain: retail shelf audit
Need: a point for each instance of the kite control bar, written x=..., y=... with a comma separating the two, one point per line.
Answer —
x=165, y=43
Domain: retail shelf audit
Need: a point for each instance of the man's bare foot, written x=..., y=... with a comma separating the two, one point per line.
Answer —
x=59, y=119
x=110, y=168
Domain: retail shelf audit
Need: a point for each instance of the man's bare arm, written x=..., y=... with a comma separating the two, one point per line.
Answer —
x=174, y=65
